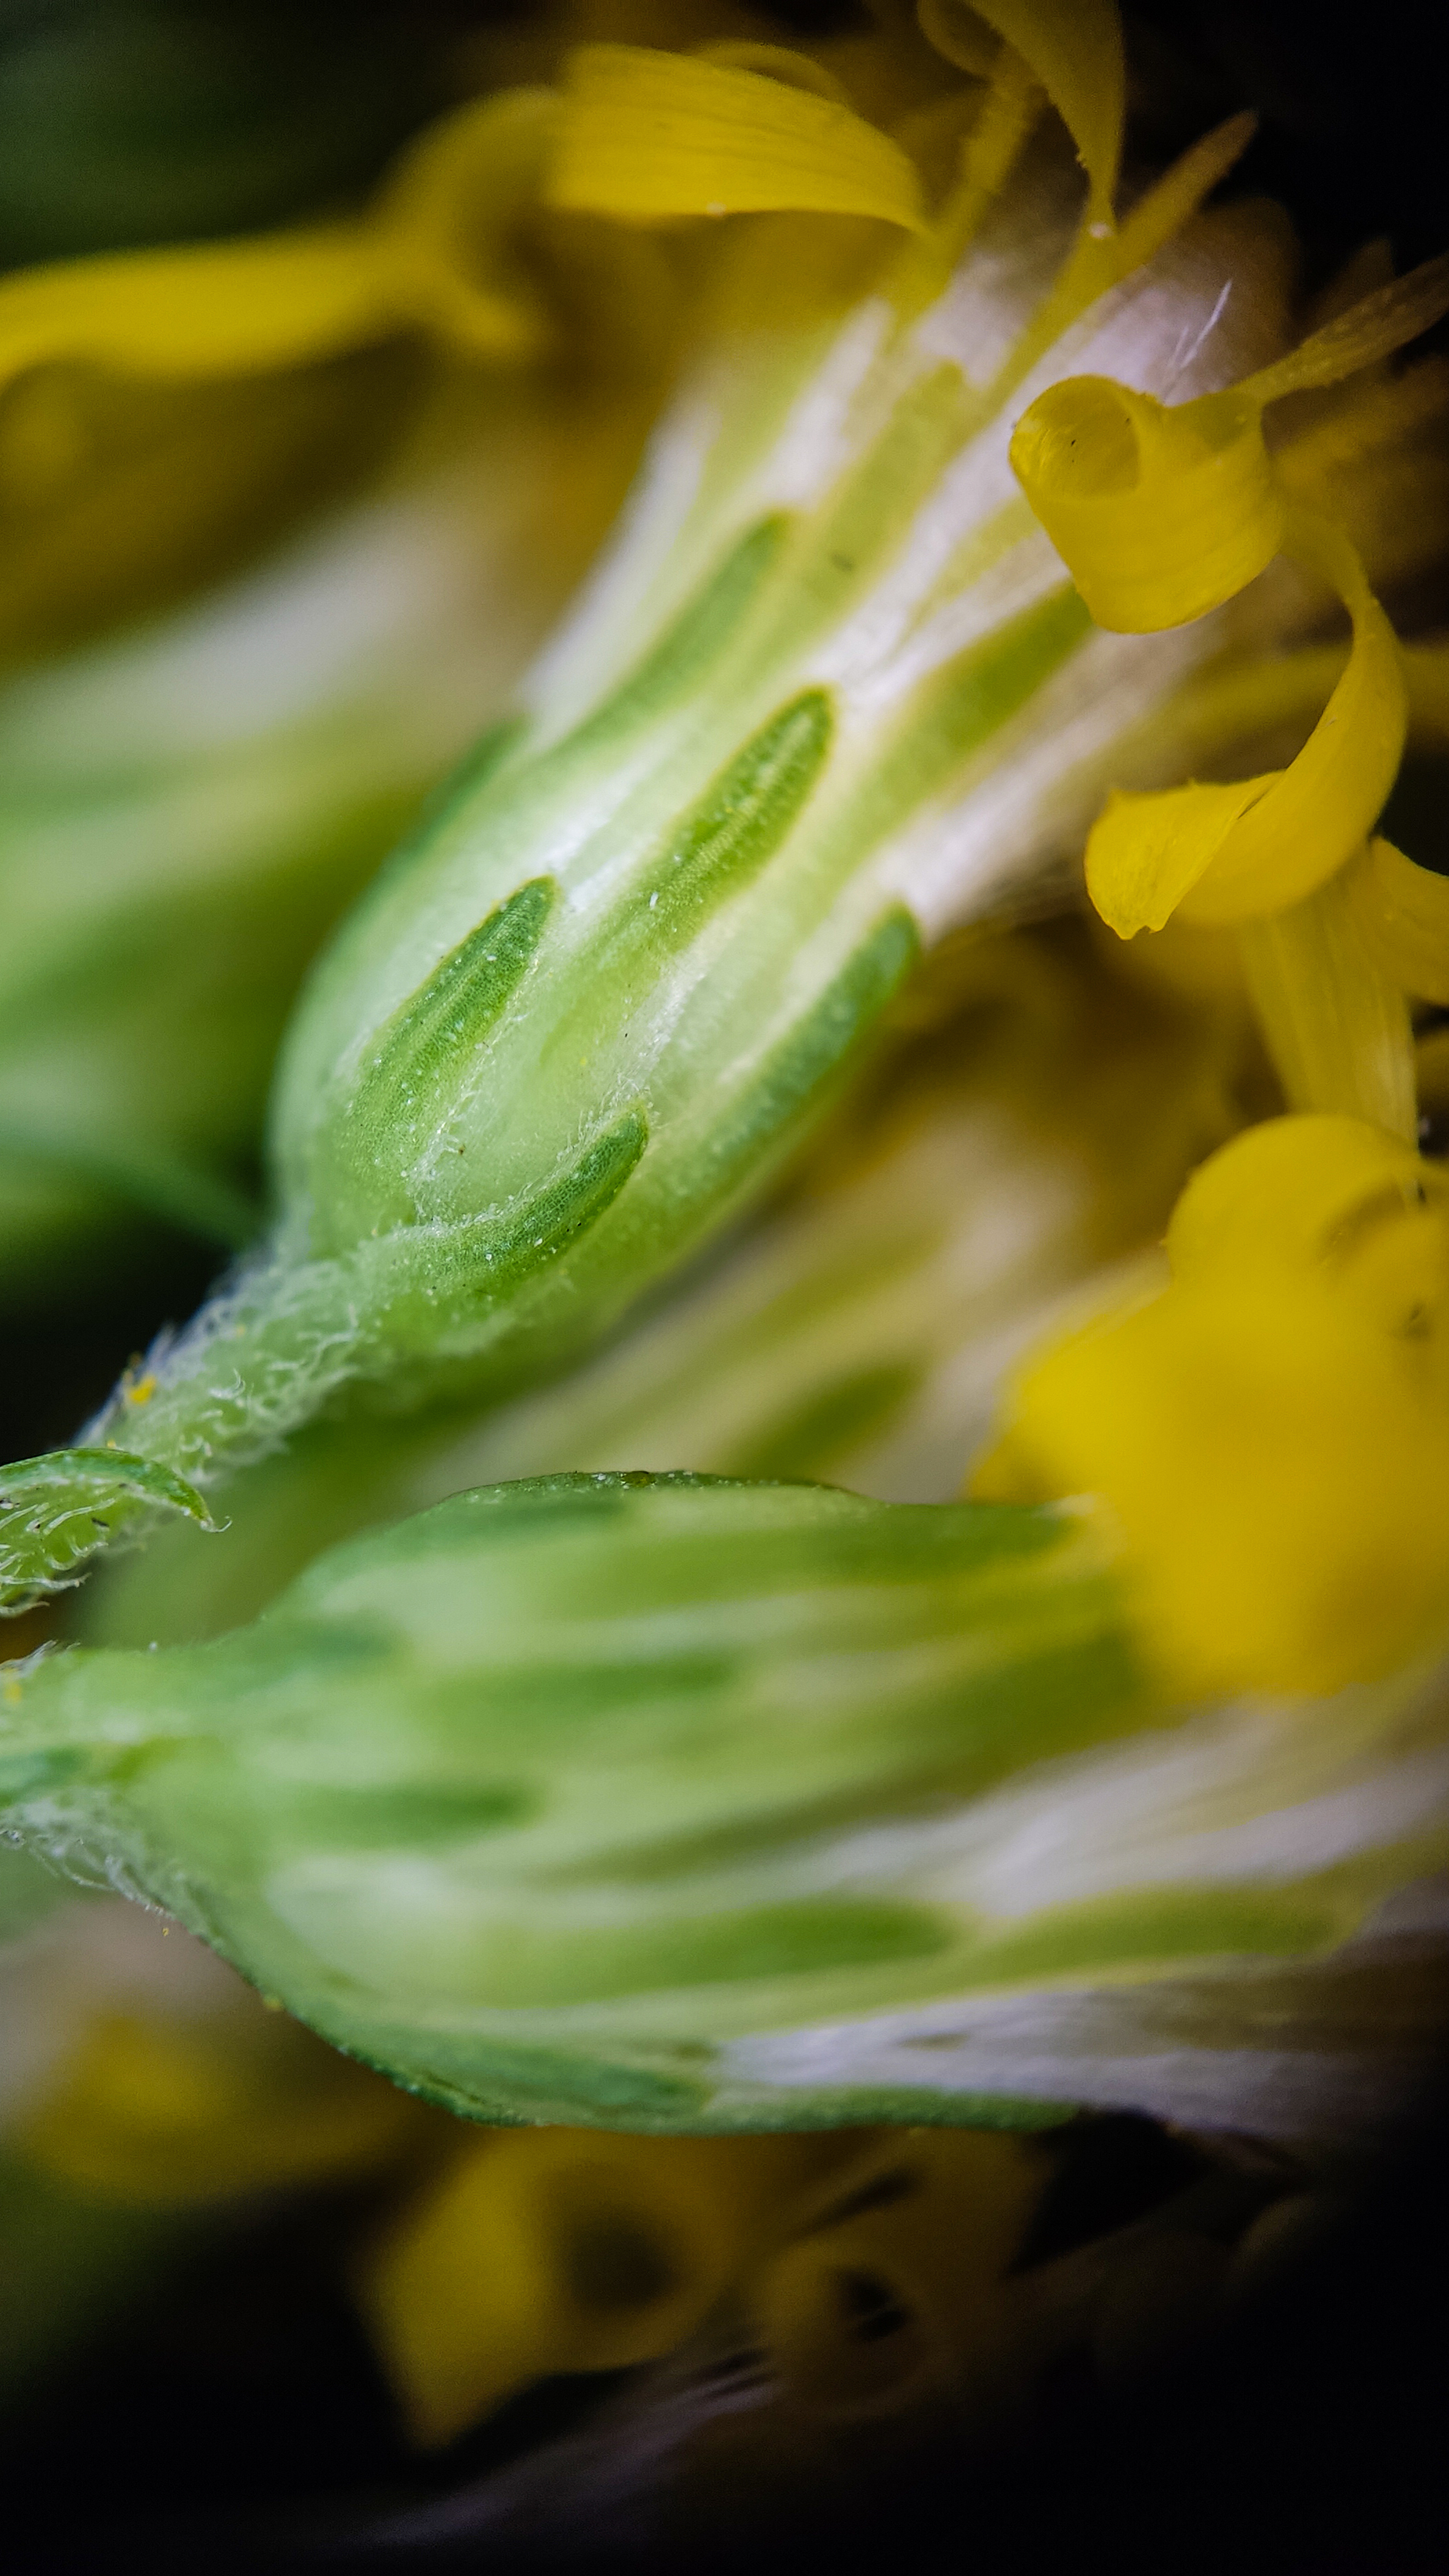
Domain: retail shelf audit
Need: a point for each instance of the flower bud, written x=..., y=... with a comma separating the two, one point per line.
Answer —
x=681, y=1804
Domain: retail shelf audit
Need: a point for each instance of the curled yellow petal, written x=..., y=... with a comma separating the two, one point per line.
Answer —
x=647, y=136
x=1401, y=914
x=1159, y=514
x=1269, y=1436
x=960, y=35
x=1228, y=855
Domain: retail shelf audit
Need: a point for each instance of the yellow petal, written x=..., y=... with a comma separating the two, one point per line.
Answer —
x=1228, y=855
x=1074, y=48
x=445, y=217
x=960, y=35
x=550, y=2250
x=1326, y=802
x=429, y=256
x=147, y=2115
x=646, y=136
x=1368, y=332
x=1145, y=853
x=1162, y=210
x=775, y=62
x=1268, y=1438
x=1275, y=1476
x=1336, y=1026
x=235, y=308
x=1159, y=514
x=1289, y=1191
x=1401, y=913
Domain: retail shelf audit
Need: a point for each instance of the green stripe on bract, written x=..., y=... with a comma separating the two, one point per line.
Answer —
x=676, y=665
x=418, y=1067
x=804, y=1062
x=736, y=827
x=462, y=1270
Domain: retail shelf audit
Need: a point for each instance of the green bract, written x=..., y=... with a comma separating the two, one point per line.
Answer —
x=830, y=693
x=540, y=1799
x=682, y=1803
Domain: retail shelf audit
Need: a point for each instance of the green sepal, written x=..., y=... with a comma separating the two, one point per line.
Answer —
x=57, y=1510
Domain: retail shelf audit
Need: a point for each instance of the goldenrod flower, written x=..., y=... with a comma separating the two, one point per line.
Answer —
x=697, y=1802
x=830, y=694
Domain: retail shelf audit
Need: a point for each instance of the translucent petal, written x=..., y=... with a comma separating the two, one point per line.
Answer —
x=646, y=136
x=1074, y=47
x=1401, y=913
x=1233, y=854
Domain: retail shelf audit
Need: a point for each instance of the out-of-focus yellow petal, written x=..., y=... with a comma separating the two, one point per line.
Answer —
x=775, y=62
x=1336, y=1026
x=444, y=218
x=1171, y=201
x=648, y=136
x=1269, y=1437
x=560, y=2250
x=1291, y=1191
x=960, y=35
x=431, y=255
x=1277, y=1484
x=227, y=309
x=1074, y=48
x=1369, y=331
x=1232, y=854
x=1401, y=913
x=930, y=2223
x=149, y=2114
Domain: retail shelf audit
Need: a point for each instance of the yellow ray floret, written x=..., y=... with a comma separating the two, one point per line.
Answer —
x=1163, y=514
x=1225, y=855
x=1268, y=1436
x=646, y=136
x=1401, y=914
x=540, y=2251
x=432, y=253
